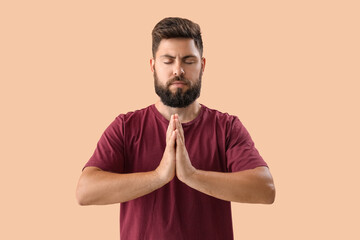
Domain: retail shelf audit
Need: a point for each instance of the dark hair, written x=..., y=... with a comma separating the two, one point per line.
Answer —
x=174, y=27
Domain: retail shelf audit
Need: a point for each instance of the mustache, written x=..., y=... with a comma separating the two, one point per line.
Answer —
x=178, y=79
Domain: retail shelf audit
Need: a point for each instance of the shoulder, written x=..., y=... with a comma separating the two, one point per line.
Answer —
x=136, y=115
x=131, y=121
x=223, y=117
x=227, y=123
x=134, y=121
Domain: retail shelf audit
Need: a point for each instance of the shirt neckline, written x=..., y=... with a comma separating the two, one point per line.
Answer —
x=163, y=119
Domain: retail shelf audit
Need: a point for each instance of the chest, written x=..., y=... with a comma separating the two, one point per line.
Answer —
x=145, y=148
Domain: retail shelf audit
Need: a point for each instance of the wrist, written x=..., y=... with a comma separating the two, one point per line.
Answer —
x=189, y=177
x=161, y=178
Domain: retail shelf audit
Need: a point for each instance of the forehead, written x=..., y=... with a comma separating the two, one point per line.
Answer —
x=177, y=47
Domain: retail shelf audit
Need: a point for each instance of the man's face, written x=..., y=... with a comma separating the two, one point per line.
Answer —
x=177, y=69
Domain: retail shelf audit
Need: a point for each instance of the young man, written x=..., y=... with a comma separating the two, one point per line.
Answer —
x=176, y=165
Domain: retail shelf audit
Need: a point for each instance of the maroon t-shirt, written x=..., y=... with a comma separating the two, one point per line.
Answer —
x=135, y=142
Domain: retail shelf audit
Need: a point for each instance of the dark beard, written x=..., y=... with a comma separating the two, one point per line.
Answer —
x=179, y=99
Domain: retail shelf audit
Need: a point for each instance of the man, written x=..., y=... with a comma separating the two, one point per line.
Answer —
x=176, y=165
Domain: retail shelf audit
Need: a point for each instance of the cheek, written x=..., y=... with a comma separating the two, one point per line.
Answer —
x=162, y=75
x=162, y=71
x=193, y=72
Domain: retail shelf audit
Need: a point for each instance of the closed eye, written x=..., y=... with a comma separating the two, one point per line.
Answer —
x=189, y=60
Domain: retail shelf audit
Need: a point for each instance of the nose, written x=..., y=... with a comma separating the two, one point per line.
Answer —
x=178, y=70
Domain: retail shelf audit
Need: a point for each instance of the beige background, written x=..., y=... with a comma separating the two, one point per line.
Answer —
x=288, y=69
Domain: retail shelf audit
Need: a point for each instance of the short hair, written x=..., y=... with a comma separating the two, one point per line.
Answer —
x=175, y=27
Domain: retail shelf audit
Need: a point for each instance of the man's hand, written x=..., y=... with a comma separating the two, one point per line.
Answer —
x=175, y=158
x=166, y=168
x=184, y=168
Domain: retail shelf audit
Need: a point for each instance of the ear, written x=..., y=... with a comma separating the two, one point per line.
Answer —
x=203, y=62
x=152, y=64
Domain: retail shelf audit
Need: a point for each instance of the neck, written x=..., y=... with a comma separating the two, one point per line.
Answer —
x=186, y=114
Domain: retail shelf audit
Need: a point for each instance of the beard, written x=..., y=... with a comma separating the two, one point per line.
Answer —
x=180, y=98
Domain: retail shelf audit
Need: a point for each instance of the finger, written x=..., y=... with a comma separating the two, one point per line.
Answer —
x=170, y=128
x=181, y=130
x=179, y=126
x=172, y=123
x=179, y=139
x=172, y=140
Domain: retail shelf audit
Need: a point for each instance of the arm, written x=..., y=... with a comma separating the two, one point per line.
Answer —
x=98, y=187
x=249, y=186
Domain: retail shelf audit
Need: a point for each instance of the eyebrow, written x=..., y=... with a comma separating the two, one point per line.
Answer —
x=172, y=57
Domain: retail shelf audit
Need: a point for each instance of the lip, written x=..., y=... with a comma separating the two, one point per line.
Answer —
x=178, y=83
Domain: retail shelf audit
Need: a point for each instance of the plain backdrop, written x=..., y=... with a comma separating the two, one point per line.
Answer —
x=288, y=69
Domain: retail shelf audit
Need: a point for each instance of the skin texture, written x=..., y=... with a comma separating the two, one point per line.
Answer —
x=96, y=187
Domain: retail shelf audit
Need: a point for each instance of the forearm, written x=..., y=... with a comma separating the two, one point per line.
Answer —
x=249, y=186
x=97, y=187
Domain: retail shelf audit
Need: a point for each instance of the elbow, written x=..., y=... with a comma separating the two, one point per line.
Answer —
x=83, y=190
x=82, y=193
x=269, y=194
x=86, y=190
x=80, y=197
x=268, y=189
x=81, y=201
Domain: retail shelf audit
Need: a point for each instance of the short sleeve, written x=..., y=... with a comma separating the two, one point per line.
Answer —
x=241, y=153
x=109, y=152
